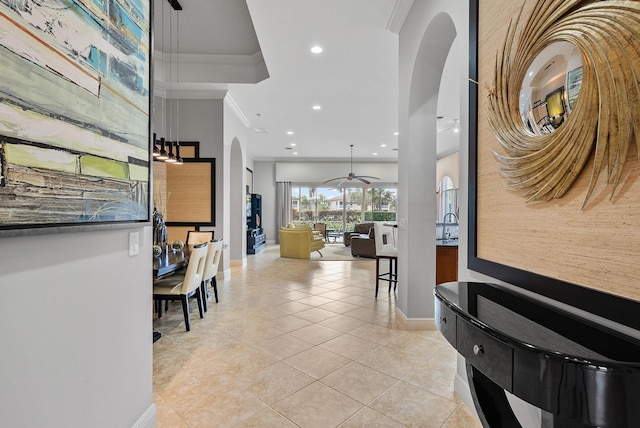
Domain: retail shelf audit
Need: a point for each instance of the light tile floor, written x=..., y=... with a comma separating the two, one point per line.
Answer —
x=297, y=343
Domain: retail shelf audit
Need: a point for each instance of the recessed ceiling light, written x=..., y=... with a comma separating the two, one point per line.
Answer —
x=375, y=154
x=316, y=107
x=295, y=153
x=396, y=133
x=289, y=132
x=316, y=49
x=293, y=144
x=383, y=145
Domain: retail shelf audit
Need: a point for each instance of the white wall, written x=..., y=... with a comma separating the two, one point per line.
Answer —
x=76, y=330
x=235, y=162
x=265, y=184
x=214, y=125
x=425, y=42
x=449, y=166
x=420, y=16
x=318, y=172
x=237, y=239
x=412, y=34
x=201, y=121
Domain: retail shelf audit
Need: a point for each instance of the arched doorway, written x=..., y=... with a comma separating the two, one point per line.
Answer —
x=417, y=161
x=237, y=224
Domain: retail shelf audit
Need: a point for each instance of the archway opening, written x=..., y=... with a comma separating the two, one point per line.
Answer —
x=418, y=170
x=237, y=224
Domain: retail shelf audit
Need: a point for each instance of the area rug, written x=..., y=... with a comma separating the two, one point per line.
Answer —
x=337, y=252
x=330, y=252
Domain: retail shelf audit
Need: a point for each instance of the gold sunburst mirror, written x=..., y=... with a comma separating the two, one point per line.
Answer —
x=567, y=90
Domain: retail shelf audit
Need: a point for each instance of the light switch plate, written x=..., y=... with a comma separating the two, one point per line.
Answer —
x=134, y=243
x=402, y=223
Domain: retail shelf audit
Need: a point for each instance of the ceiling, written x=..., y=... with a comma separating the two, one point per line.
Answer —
x=257, y=53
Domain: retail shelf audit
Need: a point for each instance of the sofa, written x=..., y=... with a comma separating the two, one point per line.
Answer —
x=364, y=244
x=358, y=229
x=298, y=241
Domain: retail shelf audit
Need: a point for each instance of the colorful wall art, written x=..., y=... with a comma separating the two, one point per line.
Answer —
x=74, y=114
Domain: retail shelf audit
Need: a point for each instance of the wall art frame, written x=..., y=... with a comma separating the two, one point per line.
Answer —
x=191, y=193
x=75, y=137
x=608, y=306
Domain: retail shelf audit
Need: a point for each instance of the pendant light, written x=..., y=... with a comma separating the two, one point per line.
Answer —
x=156, y=149
x=170, y=156
x=178, y=159
x=160, y=151
x=163, y=151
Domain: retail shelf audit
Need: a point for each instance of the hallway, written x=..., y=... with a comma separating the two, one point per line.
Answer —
x=302, y=343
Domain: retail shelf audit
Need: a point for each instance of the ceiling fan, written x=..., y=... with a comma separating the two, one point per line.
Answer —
x=363, y=178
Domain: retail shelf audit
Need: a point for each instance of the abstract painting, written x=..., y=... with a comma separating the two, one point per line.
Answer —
x=74, y=113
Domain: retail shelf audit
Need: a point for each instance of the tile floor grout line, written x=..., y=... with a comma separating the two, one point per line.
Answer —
x=249, y=313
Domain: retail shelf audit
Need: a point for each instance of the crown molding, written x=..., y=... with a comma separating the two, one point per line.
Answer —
x=216, y=69
x=399, y=15
x=193, y=91
x=235, y=108
x=168, y=57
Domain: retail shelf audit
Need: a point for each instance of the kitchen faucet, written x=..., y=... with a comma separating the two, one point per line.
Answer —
x=455, y=217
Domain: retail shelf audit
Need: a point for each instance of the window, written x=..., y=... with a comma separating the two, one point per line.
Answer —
x=340, y=209
x=447, y=201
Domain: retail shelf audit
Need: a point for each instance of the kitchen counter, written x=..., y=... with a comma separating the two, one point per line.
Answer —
x=446, y=260
x=446, y=242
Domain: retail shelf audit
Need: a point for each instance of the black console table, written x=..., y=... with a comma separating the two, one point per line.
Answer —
x=579, y=372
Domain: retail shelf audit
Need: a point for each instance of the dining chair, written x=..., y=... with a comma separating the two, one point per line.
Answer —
x=336, y=233
x=211, y=269
x=178, y=287
x=322, y=228
x=386, y=249
x=195, y=237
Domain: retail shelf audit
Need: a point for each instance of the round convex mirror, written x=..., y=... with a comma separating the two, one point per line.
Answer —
x=550, y=88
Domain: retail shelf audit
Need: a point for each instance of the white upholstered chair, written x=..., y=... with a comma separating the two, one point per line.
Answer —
x=179, y=287
x=195, y=237
x=386, y=249
x=211, y=269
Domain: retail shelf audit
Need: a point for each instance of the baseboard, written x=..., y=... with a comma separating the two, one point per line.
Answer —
x=148, y=419
x=461, y=388
x=236, y=262
x=414, y=323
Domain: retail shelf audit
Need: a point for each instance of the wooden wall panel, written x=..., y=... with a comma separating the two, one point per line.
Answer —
x=188, y=151
x=189, y=193
x=597, y=247
x=177, y=233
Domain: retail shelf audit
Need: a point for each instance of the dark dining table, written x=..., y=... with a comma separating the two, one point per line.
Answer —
x=167, y=262
x=170, y=260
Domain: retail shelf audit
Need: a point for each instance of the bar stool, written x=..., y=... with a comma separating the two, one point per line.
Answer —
x=386, y=249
